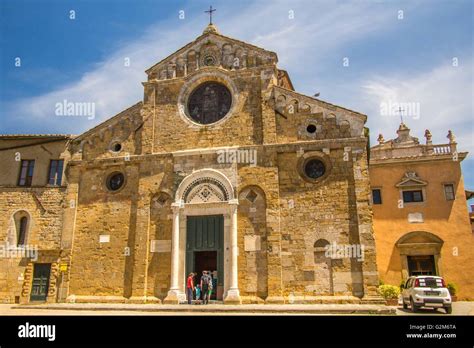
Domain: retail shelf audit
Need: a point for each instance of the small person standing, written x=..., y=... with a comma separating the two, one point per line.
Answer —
x=214, y=282
x=210, y=287
x=198, y=294
x=205, y=280
x=190, y=288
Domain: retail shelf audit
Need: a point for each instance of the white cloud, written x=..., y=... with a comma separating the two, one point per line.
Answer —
x=444, y=94
x=317, y=28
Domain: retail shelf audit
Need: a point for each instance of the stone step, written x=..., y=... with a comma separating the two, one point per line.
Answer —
x=342, y=309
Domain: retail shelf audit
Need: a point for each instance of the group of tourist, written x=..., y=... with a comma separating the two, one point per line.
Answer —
x=202, y=290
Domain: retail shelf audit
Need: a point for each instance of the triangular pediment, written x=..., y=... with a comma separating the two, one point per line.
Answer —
x=211, y=49
x=411, y=179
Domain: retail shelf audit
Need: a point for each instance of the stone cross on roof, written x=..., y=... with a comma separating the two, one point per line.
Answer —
x=210, y=14
x=400, y=110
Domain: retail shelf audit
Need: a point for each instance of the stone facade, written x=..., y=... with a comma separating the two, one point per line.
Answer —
x=250, y=167
x=41, y=204
x=435, y=229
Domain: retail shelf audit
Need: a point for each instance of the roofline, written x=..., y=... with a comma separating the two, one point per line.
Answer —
x=35, y=136
x=44, y=141
x=322, y=101
x=469, y=194
x=201, y=36
x=86, y=133
x=288, y=77
x=416, y=159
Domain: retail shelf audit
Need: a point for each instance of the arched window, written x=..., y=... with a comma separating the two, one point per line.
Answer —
x=320, y=248
x=323, y=263
x=22, y=231
x=22, y=224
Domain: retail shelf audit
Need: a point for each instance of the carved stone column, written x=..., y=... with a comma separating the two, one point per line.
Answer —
x=174, y=294
x=233, y=294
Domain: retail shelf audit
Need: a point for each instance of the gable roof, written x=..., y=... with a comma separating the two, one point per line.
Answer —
x=35, y=136
x=204, y=35
x=107, y=121
x=320, y=102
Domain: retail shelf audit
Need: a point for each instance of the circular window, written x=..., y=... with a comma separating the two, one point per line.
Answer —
x=209, y=61
x=116, y=147
x=209, y=103
x=314, y=168
x=311, y=128
x=115, y=181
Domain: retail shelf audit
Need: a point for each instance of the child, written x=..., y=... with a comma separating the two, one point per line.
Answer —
x=210, y=289
x=198, y=294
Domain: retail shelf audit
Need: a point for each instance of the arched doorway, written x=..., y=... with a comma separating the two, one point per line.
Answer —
x=205, y=232
x=420, y=253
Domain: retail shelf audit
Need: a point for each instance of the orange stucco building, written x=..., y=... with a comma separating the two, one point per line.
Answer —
x=421, y=220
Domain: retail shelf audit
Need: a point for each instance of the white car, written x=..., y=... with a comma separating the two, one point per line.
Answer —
x=426, y=291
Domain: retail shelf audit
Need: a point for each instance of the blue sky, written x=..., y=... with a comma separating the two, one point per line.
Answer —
x=408, y=59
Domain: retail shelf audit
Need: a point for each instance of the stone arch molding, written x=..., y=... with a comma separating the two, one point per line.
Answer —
x=419, y=237
x=204, y=186
x=12, y=233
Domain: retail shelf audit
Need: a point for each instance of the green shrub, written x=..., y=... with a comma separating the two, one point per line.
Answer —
x=389, y=291
x=452, y=288
x=402, y=284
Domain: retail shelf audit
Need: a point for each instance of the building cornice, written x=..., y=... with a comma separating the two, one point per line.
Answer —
x=420, y=159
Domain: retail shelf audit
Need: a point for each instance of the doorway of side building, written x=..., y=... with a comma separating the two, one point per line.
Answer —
x=421, y=265
x=40, y=284
x=204, y=250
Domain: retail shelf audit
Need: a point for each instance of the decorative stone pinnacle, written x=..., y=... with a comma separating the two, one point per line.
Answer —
x=380, y=139
x=428, y=136
x=451, y=137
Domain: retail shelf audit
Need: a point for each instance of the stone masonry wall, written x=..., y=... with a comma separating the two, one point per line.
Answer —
x=44, y=206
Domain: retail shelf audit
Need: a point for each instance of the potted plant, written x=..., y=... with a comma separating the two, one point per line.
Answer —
x=453, y=290
x=390, y=293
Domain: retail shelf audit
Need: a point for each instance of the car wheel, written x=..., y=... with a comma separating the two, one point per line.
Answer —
x=414, y=308
x=448, y=310
x=405, y=306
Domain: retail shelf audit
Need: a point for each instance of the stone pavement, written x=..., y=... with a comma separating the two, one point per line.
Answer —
x=459, y=308
x=211, y=309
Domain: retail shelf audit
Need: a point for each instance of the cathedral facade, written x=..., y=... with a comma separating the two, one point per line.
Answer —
x=224, y=167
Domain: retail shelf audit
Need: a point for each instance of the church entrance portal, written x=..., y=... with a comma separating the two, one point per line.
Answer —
x=204, y=249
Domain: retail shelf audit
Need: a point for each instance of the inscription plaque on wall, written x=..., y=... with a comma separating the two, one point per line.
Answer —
x=160, y=246
x=252, y=243
x=104, y=238
x=415, y=218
